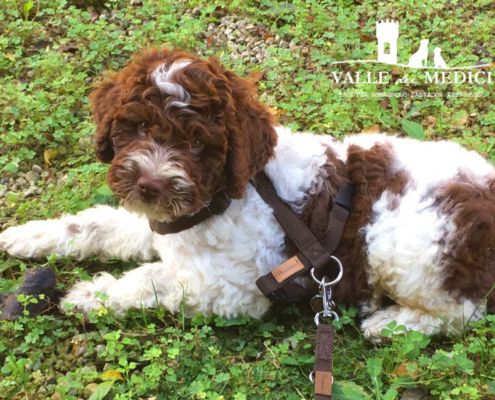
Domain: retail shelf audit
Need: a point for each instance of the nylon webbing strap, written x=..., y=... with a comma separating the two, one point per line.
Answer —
x=313, y=253
x=219, y=203
x=323, y=362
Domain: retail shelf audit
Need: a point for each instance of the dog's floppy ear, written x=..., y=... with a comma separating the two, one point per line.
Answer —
x=252, y=136
x=104, y=102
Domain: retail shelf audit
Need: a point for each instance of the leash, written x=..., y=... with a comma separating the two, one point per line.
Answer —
x=314, y=255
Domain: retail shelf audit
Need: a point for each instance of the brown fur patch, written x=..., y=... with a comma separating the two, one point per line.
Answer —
x=371, y=173
x=469, y=259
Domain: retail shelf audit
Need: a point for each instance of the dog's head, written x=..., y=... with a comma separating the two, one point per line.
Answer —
x=176, y=130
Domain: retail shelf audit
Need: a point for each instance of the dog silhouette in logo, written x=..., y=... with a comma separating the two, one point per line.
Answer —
x=420, y=58
x=438, y=59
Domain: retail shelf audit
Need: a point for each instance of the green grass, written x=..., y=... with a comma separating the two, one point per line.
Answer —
x=51, y=52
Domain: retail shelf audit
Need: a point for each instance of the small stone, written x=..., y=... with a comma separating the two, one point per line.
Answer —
x=4, y=181
x=100, y=349
x=79, y=348
x=270, y=41
x=56, y=396
x=89, y=389
x=254, y=60
x=415, y=394
x=32, y=176
x=2, y=193
x=31, y=192
x=21, y=182
x=86, y=370
x=283, y=44
x=37, y=169
x=228, y=31
x=293, y=46
x=196, y=11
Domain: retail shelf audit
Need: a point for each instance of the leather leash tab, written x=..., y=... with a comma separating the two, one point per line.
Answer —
x=219, y=203
x=323, y=362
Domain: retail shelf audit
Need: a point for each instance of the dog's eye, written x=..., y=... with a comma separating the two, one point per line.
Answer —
x=197, y=145
x=144, y=128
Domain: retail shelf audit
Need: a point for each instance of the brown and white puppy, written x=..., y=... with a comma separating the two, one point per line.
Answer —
x=177, y=129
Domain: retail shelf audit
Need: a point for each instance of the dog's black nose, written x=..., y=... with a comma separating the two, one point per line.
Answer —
x=150, y=188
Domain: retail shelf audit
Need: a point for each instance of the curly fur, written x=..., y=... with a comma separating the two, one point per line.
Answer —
x=418, y=247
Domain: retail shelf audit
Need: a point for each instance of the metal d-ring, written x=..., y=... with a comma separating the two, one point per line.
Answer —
x=336, y=280
x=325, y=314
x=312, y=377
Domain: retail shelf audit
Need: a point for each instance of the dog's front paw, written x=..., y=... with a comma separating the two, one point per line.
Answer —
x=35, y=239
x=87, y=295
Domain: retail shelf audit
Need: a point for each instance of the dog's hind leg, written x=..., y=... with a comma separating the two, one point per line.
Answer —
x=429, y=323
x=100, y=231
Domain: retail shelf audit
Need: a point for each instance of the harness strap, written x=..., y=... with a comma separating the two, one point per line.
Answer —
x=313, y=253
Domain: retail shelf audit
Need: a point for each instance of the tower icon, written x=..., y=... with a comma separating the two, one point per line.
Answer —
x=387, y=33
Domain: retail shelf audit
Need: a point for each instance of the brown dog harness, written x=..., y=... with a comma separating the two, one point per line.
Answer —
x=314, y=256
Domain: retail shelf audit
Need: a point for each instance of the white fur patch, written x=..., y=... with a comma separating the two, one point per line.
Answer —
x=158, y=163
x=164, y=77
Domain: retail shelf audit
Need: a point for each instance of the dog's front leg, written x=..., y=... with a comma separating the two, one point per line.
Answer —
x=171, y=285
x=101, y=231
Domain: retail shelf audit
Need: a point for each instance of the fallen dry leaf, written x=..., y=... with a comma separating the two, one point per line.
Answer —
x=111, y=375
x=49, y=154
x=209, y=42
x=395, y=71
x=366, y=38
x=385, y=102
x=462, y=120
x=94, y=16
x=402, y=370
x=372, y=129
